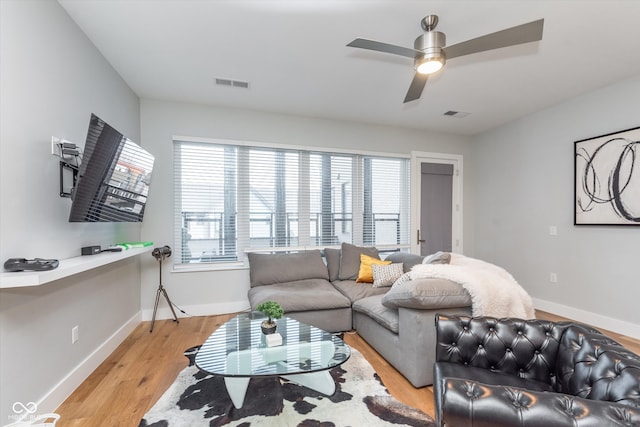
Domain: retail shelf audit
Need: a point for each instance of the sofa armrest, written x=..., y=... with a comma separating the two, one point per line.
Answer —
x=466, y=403
x=426, y=294
x=594, y=366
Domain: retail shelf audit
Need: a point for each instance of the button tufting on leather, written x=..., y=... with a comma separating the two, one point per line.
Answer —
x=518, y=403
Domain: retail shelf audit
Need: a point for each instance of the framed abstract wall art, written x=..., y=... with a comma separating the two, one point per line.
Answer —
x=607, y=179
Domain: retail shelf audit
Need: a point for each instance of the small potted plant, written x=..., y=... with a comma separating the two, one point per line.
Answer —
x=274, y=311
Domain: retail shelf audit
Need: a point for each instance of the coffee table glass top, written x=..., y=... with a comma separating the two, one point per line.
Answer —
x=238, y=349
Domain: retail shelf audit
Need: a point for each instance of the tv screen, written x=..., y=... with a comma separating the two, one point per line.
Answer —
x=113, y=178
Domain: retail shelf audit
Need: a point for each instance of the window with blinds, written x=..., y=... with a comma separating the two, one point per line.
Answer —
x=233, y=199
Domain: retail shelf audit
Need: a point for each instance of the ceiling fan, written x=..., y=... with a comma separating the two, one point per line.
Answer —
x=430, y=53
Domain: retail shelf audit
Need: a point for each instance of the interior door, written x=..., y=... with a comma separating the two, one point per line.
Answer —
x=436, y=211
x=436, y=208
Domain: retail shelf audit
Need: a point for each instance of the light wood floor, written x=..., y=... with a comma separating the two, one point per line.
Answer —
x=137, y=373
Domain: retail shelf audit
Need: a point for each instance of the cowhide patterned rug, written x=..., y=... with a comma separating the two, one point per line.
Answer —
x=198, y=399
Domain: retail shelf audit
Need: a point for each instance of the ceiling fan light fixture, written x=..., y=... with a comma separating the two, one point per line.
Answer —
x=431, y=44
x=430, y=62
x=430, y=66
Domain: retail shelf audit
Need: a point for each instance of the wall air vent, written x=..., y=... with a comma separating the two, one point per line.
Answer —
x=458, y=114
x=232, y=83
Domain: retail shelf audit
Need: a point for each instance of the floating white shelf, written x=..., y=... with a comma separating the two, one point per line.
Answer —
x=67, y=267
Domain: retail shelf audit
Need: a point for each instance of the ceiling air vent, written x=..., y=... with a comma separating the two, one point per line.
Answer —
x=232, y=83
x=458, y=114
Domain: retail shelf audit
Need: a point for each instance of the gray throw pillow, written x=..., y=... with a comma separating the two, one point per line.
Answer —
x=408, y=260
x=438, y=258
x=350, y=260
x=332, y=256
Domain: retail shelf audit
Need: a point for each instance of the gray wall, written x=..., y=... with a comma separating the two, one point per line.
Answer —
x=523, y=184
x=51, y=79
x=226, y=291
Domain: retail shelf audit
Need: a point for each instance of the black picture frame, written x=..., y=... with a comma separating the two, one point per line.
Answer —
x=607, y=179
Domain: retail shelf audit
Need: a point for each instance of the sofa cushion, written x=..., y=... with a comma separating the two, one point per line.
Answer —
x=350, y=260
x=373, y=308
x=356, y=291
x=301, y=295
x=407, y=260
x=466, y=403
x=332, y=257
x=386, y=275
x=267, y=269
x=427, y=293
x=365, y=274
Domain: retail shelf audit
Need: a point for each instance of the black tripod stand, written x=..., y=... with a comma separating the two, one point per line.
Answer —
x=160, y=254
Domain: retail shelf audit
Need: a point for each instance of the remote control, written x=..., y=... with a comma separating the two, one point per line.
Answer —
x=36, y=264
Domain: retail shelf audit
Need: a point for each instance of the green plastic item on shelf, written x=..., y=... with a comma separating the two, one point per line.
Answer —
x=131, y=245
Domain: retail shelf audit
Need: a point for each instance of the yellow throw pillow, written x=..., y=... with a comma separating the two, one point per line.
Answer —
x=365, y=275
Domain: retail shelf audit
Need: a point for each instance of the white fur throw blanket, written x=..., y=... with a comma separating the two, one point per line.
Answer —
x=494, y=292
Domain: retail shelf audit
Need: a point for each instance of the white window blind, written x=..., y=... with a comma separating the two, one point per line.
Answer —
x=232, y=199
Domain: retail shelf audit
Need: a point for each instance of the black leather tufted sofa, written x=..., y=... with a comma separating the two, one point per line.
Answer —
x=510, y=372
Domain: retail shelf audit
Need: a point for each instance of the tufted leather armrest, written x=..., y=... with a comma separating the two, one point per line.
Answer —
x=466, y=403
x=594, y=366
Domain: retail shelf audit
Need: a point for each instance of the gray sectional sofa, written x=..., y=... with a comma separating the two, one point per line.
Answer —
x=320, y=289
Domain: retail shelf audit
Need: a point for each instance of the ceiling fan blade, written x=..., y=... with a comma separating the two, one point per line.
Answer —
x=520, y=34
x=384, y=47
x=416, y=87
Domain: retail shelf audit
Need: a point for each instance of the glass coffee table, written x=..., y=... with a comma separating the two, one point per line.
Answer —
x=237, y=351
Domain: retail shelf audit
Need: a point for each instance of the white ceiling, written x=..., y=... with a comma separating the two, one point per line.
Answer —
x=294, y=57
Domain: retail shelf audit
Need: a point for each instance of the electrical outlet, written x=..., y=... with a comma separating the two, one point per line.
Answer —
x=553, y=277
x=553, y=230
x=74, y=334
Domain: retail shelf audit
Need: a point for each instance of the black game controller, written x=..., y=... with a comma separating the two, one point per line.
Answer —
x=36, y=264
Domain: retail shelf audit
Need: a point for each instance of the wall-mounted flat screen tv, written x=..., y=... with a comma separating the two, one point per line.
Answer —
x=113, y=178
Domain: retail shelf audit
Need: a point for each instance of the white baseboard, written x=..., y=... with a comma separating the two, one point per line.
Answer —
x=197, y=310
x=599, y=321
x=59, y=393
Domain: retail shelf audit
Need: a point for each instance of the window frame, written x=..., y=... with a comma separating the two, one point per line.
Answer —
x=357, y=188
